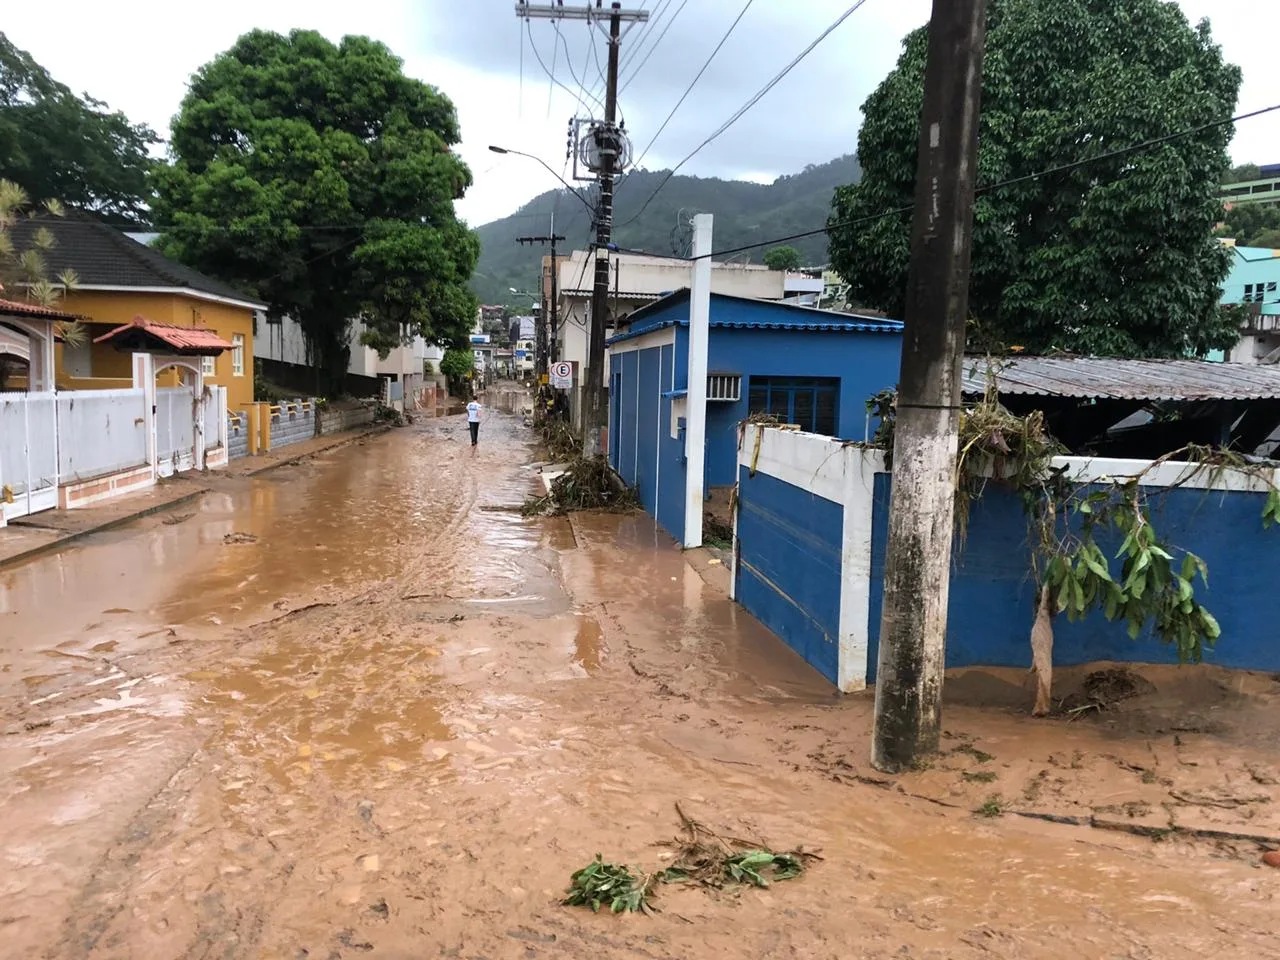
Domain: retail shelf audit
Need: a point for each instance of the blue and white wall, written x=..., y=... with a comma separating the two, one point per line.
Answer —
x=646, y=420
x=811, y=530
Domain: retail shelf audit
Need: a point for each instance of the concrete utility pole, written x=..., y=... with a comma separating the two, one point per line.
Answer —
x=695, y=430
x=541, y=343
x=609, y=143
x=922, y=508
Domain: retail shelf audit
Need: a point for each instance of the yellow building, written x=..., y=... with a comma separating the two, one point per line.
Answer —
x=119, y=280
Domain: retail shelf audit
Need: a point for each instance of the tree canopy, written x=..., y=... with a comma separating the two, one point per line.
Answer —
x=321, y=177
x=58, y=146
x=1252, y=224
x=782, y=258
x=1111, y=258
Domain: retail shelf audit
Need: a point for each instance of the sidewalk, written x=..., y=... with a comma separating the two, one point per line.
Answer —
x=41, y=533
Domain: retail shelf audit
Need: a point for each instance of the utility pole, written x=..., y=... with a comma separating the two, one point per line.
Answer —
x=922, y=507
x=610, y=144
x=695, y=434
x=541, y=352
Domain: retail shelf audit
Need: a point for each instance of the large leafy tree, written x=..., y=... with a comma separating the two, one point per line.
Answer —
x=1112, y=258
x=56, y=145
x=320, y=176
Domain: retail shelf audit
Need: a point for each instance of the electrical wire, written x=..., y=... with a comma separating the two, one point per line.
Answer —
x=568, y=60
x=551, y=87
x=737, y=115
x=534, y=47
x=684, y=96
x=634, y=73
x=1012, y=181
x=642, y=36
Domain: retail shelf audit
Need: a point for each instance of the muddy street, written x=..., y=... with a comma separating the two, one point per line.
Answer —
x=360, y=706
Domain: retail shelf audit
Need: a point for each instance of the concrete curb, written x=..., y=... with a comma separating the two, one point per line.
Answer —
x=69, y=538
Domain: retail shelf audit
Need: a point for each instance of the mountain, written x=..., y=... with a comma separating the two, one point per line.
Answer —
x=745, y=213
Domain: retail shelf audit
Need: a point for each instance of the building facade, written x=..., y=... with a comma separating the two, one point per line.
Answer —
x=811, y=368
x=1254, y=283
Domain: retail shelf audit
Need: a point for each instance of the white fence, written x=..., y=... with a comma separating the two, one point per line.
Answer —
x=28, y=453
x=101, y=432
x=175, y=430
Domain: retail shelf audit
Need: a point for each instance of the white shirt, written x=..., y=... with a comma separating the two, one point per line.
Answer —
x=473, y=412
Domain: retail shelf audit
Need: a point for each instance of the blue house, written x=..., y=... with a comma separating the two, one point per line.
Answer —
x=813, y=368
x=1254, y=282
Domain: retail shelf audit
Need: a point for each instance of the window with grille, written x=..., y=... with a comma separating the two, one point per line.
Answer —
x=237, y=354
x=725, y=387
x=208, y=366
x=1257, y=292
x=810, y=402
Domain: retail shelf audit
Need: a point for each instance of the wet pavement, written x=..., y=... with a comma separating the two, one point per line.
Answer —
x=362, y=707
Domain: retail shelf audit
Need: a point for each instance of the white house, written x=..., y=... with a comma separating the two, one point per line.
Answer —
x=636, y=281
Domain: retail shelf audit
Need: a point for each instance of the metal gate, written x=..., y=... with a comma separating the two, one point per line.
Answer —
x=28, y=453
x=175, y=430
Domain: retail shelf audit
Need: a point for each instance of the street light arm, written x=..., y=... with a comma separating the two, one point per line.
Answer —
x=545, y=166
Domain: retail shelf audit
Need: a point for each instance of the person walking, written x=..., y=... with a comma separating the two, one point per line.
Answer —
x=473, y=420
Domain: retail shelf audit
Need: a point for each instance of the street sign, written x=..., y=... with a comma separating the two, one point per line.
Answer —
x=562, y=375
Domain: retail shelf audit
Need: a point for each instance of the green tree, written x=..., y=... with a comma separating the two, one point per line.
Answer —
x=56, y=145
x=323, y=178
x=782, y=258
x=1251, y=224
x=1243, y=173
x=1112, y=258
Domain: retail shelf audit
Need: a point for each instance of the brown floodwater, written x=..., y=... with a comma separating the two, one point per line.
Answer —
x=394, y=717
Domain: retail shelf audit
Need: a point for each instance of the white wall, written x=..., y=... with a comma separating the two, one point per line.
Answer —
x=102, y=432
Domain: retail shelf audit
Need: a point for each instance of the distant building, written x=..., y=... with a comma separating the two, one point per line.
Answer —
x=1265, y=189
x=1254, y=282
x=635, y=282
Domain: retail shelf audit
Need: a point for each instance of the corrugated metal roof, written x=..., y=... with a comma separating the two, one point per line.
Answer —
x=181, y=339
x=1113, y=378
x=861, y=325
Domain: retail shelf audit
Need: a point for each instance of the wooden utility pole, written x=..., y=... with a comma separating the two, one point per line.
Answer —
x=609, y=143
x=542, y=338
x=922, y=507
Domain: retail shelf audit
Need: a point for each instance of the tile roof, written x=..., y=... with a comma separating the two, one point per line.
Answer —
x=16, y=308
x=103, y=256
x=153, y=334
x=1120, y=379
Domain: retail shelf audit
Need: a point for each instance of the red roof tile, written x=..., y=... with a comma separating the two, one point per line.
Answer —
x=16, y=308
x=180, y=339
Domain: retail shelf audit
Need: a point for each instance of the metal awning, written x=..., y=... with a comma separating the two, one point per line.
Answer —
x=1120, y=379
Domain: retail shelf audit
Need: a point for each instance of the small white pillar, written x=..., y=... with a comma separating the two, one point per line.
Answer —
x=696, y=422
x=144, y=376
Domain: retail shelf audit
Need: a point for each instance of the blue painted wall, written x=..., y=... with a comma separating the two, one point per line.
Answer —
x=992, y=601
x=641, y=447
x=866, y=363
x=789, y=565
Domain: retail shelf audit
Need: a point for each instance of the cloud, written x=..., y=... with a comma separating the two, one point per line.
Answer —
x=483, y=57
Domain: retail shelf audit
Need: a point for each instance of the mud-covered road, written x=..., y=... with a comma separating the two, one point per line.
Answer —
x=360, y=707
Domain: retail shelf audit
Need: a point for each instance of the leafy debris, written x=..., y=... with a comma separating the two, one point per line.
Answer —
x=609, y=884
x=589, y=483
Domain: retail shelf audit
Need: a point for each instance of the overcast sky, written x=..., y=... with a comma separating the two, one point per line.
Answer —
x=138, y=54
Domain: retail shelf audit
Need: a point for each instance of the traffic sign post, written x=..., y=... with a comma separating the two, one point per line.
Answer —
x=562, y=375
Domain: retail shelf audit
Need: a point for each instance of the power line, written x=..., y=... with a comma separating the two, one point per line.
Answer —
x=636, y=72
x=1000, y=185
x=695, y=80
x=534, y=47
x=568, y=60
x=737, y=115
x=642, y=36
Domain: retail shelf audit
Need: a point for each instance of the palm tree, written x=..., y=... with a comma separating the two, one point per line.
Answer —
x=25, y=273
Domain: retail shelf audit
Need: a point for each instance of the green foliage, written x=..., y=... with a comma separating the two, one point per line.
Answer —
x=757, y=868
x=457, y=363
x=782, y=258
x=1114, y=258
x=56, y=145
x=1252, y=224
x=1243, y=173
x=609, y=884
x=991, y=807
x=24, y=270
x=1155, y=584
x=745, y=213
x=323, y=178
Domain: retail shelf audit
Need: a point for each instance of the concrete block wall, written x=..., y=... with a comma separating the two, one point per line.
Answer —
x=337, y=419
x=292, y=422
x=238, y=434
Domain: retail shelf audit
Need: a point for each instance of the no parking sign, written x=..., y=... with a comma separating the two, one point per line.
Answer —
x=562, y=374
